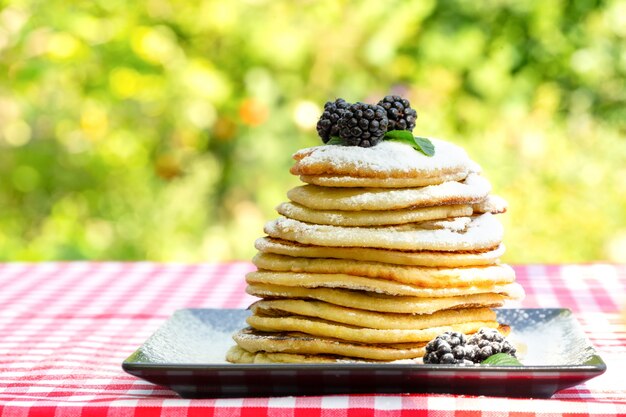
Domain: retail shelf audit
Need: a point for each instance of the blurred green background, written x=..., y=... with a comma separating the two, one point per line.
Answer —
x=163, y=130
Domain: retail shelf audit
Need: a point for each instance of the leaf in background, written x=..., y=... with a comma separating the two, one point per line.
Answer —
x=501, y=359
x=335, y=140
x=423, y=145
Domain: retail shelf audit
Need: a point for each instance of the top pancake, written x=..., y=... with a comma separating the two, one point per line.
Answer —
x=387, y=160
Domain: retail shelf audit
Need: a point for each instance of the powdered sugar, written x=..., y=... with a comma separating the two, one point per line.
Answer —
x=492, y=204
x=475, y=188
x=483, y=232
x=456, y=224
x=386, y=157
x=189, y=336
x=372, y=217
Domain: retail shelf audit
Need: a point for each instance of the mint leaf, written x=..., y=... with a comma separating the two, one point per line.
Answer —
x=399, y=136
x=501, y=359
x=424, y=145
x=335, y=140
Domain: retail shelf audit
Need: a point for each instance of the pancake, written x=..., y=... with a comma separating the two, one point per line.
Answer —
x=371, y=217
x=324, y=328
x=482, y=232
x=388, y=159
x=374, y=285
x=369, y=319
x=299, y=343
x=238, y=355
x=454, y=224
x=412, y=275
x=349, y=181
x=492, y=204
x=377, y=302
x=471, y=190
x=282, y=347
x=489, y=256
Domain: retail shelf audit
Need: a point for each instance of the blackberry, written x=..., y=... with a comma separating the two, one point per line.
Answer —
x=489, y=342
x=455, y=348
x=450, y=348
x=399, y=112
x=363, y=125
x=327, y=124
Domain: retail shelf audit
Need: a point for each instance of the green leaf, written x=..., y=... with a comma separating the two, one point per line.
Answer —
x=399, y=136
x=501, y=359
x=424, y=145
x=335, y=140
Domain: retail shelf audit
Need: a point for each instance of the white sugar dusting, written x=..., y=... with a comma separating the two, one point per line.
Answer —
x=185, y=338
x=491, y=204
x=455, y=224
x=482, y=232
x=473, y=188
x=553, y=341
x=386, y=157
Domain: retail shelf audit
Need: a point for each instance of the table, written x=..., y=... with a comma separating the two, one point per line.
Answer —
x=65, y=328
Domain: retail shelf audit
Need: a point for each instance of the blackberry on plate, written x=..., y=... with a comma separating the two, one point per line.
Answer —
x=450, y=348
x=363, y=125
x=456, y=348
x=489, y=342
x=399, y=112
x=327, y=124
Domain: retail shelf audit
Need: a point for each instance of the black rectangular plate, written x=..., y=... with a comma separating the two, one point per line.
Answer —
x=187, y=355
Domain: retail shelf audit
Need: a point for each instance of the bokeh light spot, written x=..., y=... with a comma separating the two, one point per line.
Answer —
x=124, y=82
x=155, y=44
x=63, y=46
x=13, y=19
x=616, y=247
x=202, y=79
x=94, y=122
x=253, y=112
x=99, y=233
x=305, y=114
x=16, y=133
x=200, y=113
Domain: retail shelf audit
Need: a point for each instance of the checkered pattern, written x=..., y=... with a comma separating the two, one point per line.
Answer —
x=65, y=328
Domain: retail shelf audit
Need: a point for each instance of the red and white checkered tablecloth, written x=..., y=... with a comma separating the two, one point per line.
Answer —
x=65, y=328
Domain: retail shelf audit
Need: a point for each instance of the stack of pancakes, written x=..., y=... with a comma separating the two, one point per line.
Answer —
x=381, y=251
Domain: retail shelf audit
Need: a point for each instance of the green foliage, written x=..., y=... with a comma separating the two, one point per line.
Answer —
x=502, y=359
x=163, y=130
x=335, y=140
x=423, y=145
